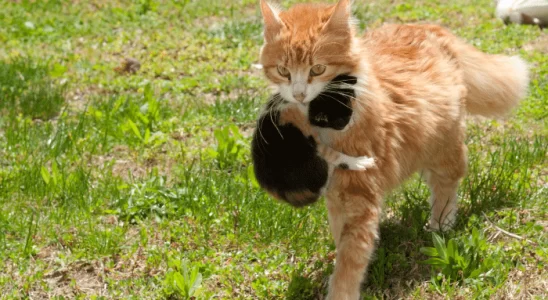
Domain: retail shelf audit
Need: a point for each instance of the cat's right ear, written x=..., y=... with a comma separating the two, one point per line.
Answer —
x=272, y=23
x=340, y=20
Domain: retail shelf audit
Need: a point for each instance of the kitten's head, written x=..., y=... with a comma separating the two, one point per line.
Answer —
x=306, y=47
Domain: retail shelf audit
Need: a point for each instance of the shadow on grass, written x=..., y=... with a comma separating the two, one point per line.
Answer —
x=394, y=272
x=26, y=88
x=499, y=177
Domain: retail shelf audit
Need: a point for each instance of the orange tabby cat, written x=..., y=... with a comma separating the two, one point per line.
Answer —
x=415, y=85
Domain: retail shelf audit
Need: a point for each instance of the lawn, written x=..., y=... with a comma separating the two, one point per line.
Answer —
x=118, y=184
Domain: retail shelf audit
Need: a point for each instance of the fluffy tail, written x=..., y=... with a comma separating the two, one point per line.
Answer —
x=496, y=83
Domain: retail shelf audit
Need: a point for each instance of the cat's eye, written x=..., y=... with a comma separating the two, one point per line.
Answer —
x=283, y=71
x=317, y=70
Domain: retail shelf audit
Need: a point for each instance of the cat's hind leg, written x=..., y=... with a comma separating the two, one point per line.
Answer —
x=443, y=178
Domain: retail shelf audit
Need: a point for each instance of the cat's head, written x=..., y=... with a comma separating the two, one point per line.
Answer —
x=306, y=47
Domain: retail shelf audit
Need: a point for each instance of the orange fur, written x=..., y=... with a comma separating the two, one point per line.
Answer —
x=415, y=85
x=293, y=115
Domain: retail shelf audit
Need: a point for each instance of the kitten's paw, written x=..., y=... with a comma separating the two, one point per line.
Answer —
x=359, y=163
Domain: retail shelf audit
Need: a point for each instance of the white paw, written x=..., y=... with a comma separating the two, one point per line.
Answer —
x=361, y=163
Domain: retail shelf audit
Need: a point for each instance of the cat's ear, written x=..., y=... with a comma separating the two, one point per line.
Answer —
x=341, y=16
x=272, y=23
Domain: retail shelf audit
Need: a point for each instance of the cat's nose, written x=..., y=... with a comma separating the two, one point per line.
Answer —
x=299, y=91
x=299, y=97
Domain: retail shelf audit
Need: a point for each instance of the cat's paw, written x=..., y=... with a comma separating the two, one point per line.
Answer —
x=359, y=163
x=443, y=225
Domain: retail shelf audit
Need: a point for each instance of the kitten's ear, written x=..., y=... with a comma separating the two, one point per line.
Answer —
x=341, y=16
x=272, y=23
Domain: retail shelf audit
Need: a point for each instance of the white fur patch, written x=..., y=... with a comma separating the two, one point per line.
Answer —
x=359, y=163
x=313, y=90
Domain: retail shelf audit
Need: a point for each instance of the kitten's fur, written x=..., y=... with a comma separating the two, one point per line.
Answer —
x=415, y=85
x=288, y=161
x=332, y=108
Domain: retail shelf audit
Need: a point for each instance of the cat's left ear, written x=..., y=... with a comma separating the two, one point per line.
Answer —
x=341, y=16
x=272, y=23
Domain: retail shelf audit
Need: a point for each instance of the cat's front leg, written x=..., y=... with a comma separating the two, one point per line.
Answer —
x=354, y=220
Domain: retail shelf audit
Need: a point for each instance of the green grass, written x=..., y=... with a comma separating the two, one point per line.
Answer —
x=139, y=185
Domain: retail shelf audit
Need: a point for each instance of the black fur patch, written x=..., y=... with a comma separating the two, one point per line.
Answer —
x=343, y=166
x=333, y=108
x=286, y=162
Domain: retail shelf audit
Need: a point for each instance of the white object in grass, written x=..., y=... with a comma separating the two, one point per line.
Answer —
x=523, y=11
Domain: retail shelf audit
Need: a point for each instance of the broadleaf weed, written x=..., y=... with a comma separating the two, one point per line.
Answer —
x=457, y=260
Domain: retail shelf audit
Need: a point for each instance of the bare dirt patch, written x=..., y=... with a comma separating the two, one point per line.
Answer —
x=540, y=44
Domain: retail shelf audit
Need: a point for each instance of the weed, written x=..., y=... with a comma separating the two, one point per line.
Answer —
x=231, y=147
x=460, y=259
x=182, y=280
x=147, y=199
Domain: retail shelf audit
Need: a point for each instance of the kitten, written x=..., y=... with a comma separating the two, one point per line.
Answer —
x=332, y=108
x=288, y=161
x=415, y=84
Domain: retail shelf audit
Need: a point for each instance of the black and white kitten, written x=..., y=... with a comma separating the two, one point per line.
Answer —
x=289, y=161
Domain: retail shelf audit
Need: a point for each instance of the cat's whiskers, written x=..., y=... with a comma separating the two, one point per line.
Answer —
x=277, y=99
x=327, y=95
x=338, y=86
x=260, y=126
x=359, y=104
x=361, y=91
